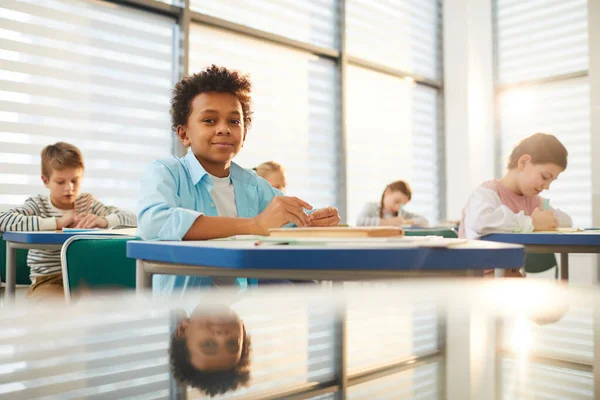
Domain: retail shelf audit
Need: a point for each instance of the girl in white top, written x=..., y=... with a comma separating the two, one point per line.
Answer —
x=513, y=204
x=390, y=210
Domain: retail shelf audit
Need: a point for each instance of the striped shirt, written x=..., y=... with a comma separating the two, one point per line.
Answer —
x=39, y=214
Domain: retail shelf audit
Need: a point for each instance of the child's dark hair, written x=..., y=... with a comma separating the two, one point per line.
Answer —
x=397, y=186
x=212, y=79
x=59, y=156
x=543, y=149
x=210, y=383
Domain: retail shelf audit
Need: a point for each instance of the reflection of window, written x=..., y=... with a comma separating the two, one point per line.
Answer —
x=294, y=101
x=93, y=74
x=541, y=71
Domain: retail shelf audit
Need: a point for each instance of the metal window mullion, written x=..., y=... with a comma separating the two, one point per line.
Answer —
x=153, y=6
x=360, y=62
x=342, y=64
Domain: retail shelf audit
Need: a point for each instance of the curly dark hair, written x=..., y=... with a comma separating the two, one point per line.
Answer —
x=210, y=383
x=212, y=79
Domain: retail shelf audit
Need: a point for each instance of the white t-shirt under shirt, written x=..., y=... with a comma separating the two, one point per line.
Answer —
x=224, y=196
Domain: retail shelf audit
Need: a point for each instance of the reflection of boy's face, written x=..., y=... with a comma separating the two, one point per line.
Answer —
x=214, y=340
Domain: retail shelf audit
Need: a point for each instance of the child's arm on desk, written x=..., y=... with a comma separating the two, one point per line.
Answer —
x=26, y=218
x=280, y=211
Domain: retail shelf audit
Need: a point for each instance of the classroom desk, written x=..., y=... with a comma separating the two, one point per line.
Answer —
x=332, y=261
x=40, y=240
x=559, y=242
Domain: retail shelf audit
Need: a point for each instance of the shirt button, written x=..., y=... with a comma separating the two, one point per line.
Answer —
x=212, y=204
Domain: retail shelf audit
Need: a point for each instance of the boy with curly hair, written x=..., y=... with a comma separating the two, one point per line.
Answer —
x=205, y=195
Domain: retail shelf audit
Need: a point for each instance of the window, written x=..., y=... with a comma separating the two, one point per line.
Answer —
x=541, y=72
x=392, y=121
x=391, y=135
x=400, y=34
x=308, y=21
x=94, y=74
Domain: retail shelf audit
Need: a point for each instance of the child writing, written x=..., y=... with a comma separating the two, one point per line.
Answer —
x=273, y=173
x=390, y=210
x=62, y=172
x=205, y=195
x=513, y=204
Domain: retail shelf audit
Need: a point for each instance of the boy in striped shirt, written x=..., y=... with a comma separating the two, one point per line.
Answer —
x=62, y=171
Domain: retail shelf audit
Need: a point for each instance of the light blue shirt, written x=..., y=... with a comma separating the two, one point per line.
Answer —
x=176, y=191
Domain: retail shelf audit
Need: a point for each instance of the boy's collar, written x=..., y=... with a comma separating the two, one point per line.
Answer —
x=197, y=171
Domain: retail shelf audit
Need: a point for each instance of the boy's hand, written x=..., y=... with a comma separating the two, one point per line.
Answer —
x=68, y=219
x=543, y=220
x=280, y=211
x=87, y=221
x=328, y=216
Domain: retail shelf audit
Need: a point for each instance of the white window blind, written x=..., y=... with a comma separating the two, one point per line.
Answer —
x=295, y=110
x=540, y=38
x=90, y=73
x=543, y=39
x=309, y=21
x=391, y=135
x=401, y=34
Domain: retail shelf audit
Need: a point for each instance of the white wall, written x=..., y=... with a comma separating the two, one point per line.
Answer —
x=469, y=98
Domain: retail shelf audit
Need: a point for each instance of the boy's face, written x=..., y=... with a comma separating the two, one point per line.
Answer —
x=64, y=186
x=215, y=129
x=214, y=341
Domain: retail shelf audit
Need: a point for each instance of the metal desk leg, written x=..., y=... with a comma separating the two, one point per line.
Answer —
x=564, y=267
x=11, y=272
x=143, y=280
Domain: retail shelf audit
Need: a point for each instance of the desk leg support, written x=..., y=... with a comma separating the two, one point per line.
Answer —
x=143, y=280
x=564, y=267
x=11, y=272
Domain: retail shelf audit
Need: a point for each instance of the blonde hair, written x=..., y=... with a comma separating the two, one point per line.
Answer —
x=59, y=156
x=267, y=168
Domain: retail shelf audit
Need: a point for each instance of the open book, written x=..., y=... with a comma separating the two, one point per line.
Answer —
x=561, y=230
